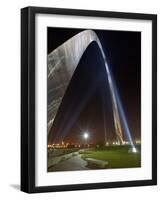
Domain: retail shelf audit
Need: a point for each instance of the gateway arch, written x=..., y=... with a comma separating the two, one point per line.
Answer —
x=62, y=63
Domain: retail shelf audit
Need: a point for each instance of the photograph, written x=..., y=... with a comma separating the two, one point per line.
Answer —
x=89, y=99
x=93, y=99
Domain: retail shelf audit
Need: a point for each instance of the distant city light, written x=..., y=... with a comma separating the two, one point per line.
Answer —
x=107, y=143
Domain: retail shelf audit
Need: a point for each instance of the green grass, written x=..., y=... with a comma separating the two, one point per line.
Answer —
x=117, y=157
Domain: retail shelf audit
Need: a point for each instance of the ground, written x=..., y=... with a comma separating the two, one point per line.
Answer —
x=115, y=156
x=73, y=163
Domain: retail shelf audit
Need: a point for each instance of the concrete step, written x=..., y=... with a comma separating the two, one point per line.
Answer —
x=99, y=163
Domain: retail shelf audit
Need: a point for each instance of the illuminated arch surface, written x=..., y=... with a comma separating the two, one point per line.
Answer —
x=62, y=63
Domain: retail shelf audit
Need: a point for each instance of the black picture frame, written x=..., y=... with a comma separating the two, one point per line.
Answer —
x=28, y=98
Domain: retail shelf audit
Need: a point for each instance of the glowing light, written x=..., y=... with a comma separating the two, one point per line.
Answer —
x=134, y=150
x=107, y=143
x=123, y=117
x=86, y=135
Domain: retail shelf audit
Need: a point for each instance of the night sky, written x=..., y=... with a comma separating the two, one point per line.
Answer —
x=123, y=53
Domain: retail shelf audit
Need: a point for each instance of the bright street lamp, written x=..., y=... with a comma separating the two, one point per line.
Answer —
x=86, y=136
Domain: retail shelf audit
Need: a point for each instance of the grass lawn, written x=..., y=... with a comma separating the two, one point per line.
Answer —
x=117, y=157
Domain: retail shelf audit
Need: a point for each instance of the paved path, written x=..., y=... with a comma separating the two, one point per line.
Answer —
x=73, y=163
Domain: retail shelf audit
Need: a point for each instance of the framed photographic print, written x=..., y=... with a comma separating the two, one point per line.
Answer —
x=88, y=99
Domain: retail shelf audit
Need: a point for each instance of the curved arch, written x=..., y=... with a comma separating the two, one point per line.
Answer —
x=62, y=63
